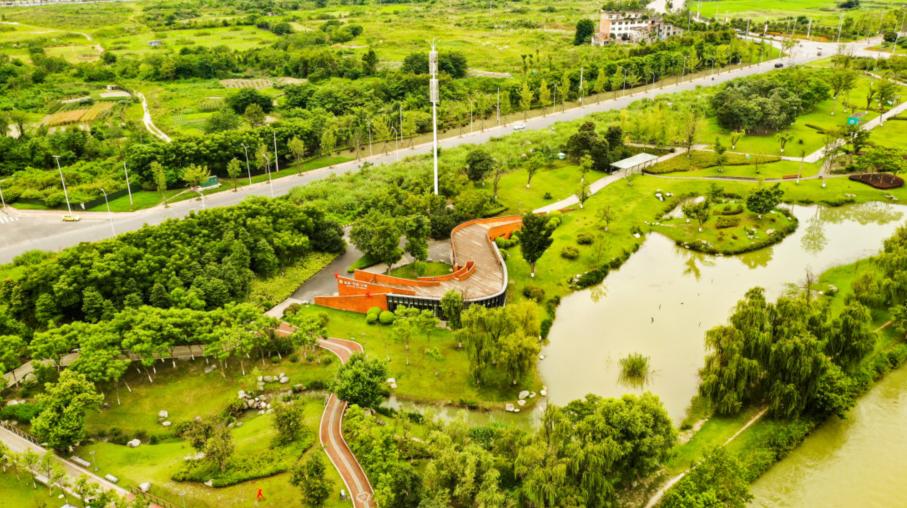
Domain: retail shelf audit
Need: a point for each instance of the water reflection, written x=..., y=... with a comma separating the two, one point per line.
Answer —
x=662, y=300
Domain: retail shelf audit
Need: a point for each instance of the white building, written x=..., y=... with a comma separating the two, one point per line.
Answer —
x=631, y=26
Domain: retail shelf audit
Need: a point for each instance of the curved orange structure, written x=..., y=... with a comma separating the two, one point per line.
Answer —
x=480, y=274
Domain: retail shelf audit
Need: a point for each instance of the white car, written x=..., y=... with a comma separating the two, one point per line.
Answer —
x=519, y=126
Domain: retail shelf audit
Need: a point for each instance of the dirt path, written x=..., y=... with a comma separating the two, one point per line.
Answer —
x=149, y=123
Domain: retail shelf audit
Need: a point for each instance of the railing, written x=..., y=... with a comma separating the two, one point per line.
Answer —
x=19, y=432
x=151, y=498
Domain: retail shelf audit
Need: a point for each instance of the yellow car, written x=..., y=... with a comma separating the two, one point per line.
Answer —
x=71, y=218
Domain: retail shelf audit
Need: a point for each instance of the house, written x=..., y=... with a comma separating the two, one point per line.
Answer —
x=631, y=26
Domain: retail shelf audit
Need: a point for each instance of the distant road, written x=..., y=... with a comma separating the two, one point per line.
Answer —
x=45, y=231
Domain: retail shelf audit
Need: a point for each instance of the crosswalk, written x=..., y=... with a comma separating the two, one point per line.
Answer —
x=4, y=218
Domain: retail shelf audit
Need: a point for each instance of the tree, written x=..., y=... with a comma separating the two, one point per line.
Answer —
x=194, y=175
x=697, y=211
x=601, y=81
x=12, y=347
x=584, y=30
x=478, y=164
x=583, y=192
x=784, y=137
x=452, y=307
x=544, y=94
x=61, y=422
x=535, y=238
x=219, y=447
x=533, y=165
x=764, y=200
x=518, y=355
x=241, y=100
x=486, y=333
x=224, y=119
x=309, y=477
x=735, y=138
x=328, y=141
x=720, y=157
x=842, y=81
x=297, y=148
x=378, y=236
x=309, y=330
x=288, y=422
x=526, y=97
x=851, y=335
x=263, y=157
x=416, y=229
x=719, y=479
x=370, y=62
x=254, y=115
x=360, y=381
x=728, y=376
x=159, y=177
x=886, y=93
x=234, y=169
x=692, y=125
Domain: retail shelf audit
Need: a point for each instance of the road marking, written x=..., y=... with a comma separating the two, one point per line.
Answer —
x=6, y=219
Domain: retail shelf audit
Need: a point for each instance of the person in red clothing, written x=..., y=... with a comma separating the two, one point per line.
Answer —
x=260, y=496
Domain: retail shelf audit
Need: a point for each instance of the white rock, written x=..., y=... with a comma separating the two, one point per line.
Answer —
x=209, y=483
x=261, y=378
x=523, y=394
x=509, y=407
x=284, y=380
x=543, y=392
x=145, y=486
x=261, y=411
x=210, y=368
x=134, y=443
x=167, y=423
x=521, y=402
x=241, y=394
x=531, y=395
x=163, y=414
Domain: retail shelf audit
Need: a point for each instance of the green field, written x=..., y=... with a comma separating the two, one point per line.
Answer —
x=761, y=9
x=20, y=492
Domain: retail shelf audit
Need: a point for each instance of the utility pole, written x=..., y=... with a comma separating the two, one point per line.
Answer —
x=580, y=85
x=2, y=201
x=499, y=105
x=840, y=27
x=433, y=97
x=63, y=181
x=748, y=27
x=248, y=169
x=809, y=29
x=401, y=124
x=128, y=186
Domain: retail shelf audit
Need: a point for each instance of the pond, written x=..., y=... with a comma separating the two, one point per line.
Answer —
x=858, y=461
x=664, y=298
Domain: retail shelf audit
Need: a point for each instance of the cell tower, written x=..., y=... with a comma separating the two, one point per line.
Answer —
x=433, y=97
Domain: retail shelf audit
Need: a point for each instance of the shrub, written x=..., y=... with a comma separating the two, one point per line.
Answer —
x=371, y=318
x=727, y=222
x=22, y=413
x=546, y=327
x=731, y=209
x=506, y=243
x=386, y=317
x=569, y=252
x=534, y=293
x=292, y=309
x=547, y=196
x=374, y=310
x=584, y=239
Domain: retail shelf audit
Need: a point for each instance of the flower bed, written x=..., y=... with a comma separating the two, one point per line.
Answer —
x=879, y=180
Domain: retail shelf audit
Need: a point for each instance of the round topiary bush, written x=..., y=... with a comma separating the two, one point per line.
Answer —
x=534, y=293
x=371, y=318
x=569, y=252
x=584, y=239
x=386, y=317
x=374, y=310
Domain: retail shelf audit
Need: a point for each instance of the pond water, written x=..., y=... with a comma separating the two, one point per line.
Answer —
x=860, y=461
x=664, y=298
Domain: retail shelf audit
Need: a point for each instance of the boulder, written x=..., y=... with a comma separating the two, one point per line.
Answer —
x=524, y=394
x=509, y=408
x=521, y=402
x=284, y=380
x=209, y=483
x=163, y=414
x=210, y=368
x=134, y=443
x=543, y=392
x=531, y=395
x=241, y=394
x=167, y=423
x=145, y=486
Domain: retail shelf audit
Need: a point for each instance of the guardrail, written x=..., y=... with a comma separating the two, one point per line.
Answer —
x=21, y=433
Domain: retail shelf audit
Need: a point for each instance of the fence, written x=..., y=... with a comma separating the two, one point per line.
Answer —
x=19, y=432
x=152, y=499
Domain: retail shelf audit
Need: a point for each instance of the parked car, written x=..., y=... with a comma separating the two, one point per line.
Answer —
x=779, y=65
x=519, y=126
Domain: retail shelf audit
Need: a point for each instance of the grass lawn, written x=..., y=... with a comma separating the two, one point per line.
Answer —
x=892, y=133
x=714, y=432
x=559, y=181
x=186, y=391
x=779, y=169
x=21, y=493
x=273, y=290
x=421, y=269
x=702, y=159
x=433, y=370
x=234, y=37
x=768, y=9
x=157, y=463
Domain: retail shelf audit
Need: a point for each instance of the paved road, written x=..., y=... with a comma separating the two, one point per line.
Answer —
x=18, y=444
x=331, y=434
x=45, y=231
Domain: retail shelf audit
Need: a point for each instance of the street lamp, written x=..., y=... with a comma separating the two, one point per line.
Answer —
x=433, y=97
x=248, y=169
x=63, y=181
x=128, y=187
x=2, y=201
x=276, y=163
x=109, y=214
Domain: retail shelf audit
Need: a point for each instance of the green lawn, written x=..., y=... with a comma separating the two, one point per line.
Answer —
x=20, y=492
x=421, y=269
x=768, y=9
x=892, y=133
x=560, y=181
x=273, y=290
x=714, y=432
x=750, y=230
x=779, y=169
x=433, y=370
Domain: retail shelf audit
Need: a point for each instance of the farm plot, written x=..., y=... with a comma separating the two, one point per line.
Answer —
x=81, y=115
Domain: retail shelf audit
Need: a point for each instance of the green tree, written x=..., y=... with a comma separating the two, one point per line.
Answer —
x=254, y=115
x=764, y=200
x=288, y=422
x=784, y=137
x=61, y=422
x=526, y=97
x=263, y=157
x=416, y=229
x=222, y=120
x=478, y=164
x=452, y=308
x=219, y=447
x=234, y=169
x=719, y=479
x=12, y=349
x=697, y=211
x=720, y=155
x=328, y=141
x=736, y=136
x=544, y=94
x=533, y=165
x=195, y=175
x=378, y=236
x=370, y=62
x=309, y=477
x=297, y=148
x=535, y=238
x=584, y=30
x=601, y=81
x=361, y=381
x=851, y=336
x=160, y=178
